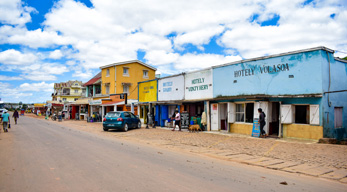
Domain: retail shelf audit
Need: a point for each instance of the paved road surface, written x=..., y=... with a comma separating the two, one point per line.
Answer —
x=37, y=155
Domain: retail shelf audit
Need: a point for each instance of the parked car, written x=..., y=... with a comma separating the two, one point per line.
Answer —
x=2, y=111
x=122, y=120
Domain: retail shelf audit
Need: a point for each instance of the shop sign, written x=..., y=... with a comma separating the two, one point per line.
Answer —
x=263, y=69
x=148, y=91
x=171, y=88
x=184, y=120
x=256, y=128
x=95, y=102
x=199, y=85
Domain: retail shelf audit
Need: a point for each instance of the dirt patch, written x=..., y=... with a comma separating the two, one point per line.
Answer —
x=215, y=144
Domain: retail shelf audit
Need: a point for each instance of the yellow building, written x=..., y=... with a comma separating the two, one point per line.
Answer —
x=123, y=77
x=68, y=91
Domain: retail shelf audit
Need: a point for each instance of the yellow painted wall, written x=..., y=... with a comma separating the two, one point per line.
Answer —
x=108, y=79
x=302, y=131
x=241, y=128
x=135, y=76
x=148, y=91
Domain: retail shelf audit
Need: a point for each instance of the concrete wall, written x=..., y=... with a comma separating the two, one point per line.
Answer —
x=338, y=97
x=171, y=88
x=302, y=131
x=299, y=73
x=198, y=85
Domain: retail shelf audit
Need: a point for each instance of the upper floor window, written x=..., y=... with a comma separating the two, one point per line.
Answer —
x=126, y=89
x=145, y=74
x=125, y=71
x=338, y=120
x=76, y=84
x=107, y=72
x=107, y=87
x=76, y=90
x=64, y=99
x=75, y=99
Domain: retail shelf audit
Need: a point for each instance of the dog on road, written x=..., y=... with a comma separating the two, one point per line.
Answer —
x=194, y=128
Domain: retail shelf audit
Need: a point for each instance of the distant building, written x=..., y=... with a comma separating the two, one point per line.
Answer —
x=68, y=91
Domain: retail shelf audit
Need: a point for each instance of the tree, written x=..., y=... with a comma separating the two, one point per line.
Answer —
x=345, y=58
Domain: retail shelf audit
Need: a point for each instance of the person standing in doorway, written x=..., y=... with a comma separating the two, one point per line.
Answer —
x=5, y=121
x=262, y=122
x=15, y=116
x=177, y=121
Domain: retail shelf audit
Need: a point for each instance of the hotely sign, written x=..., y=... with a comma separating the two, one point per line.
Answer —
x=198, y=87
x=262, y=69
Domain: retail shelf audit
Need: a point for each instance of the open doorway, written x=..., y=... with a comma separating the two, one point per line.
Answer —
x=274, y=119
x=223, y=114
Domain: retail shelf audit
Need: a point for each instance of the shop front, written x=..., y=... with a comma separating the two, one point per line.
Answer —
x=148, y=95
x=170, y=97
x=95, y=110
x=116, y=102
x=288, y=87
x=198, y=93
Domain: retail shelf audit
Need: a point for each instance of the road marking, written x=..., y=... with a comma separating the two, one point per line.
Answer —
x=266, y=153
x=218, y=142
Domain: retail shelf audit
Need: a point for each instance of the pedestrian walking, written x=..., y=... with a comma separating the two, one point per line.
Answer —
x=177, y=121
x=262, y=122
x=15, y=116
x=5, y=121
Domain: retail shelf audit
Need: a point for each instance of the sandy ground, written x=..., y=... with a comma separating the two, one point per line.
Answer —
x=225, y=146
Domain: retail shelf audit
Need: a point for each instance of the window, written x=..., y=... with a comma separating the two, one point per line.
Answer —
x=249, y=112
x=244, y=110
x=107, y=72
x=132, y=115
x=125, y=71
x=64, y=99
x=107, y=86
x=127, y=115
x=126, y=89
x=75, y=99
x=338, y=117
x=145, y=74
x=302, y=114
x=240, y=112
x=76, y=90
x=113, y=114
x=76, y=84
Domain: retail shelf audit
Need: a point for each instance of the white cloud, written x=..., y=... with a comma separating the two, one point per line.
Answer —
x=160, y=57
x=199, y=37
x=37, y=87
x=56, y=54
x=13, y=12
x=113, y=31
x=43, y=72
x=39, y=38
x=14, y=57
x=198, y=61
x=13, y=94
x=9, y=78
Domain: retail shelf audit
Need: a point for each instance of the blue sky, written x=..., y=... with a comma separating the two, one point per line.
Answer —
x=43, y=42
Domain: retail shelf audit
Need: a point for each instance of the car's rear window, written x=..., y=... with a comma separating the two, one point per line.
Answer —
x=113, y=114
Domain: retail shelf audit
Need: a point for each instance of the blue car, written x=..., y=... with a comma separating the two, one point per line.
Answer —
x=122, y=120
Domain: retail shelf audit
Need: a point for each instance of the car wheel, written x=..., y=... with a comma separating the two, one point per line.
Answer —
x=139, y=124
x=105, y=129
x=125, y=128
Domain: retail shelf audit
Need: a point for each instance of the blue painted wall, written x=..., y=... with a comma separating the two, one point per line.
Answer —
x=260, y=77
x=338, y=82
